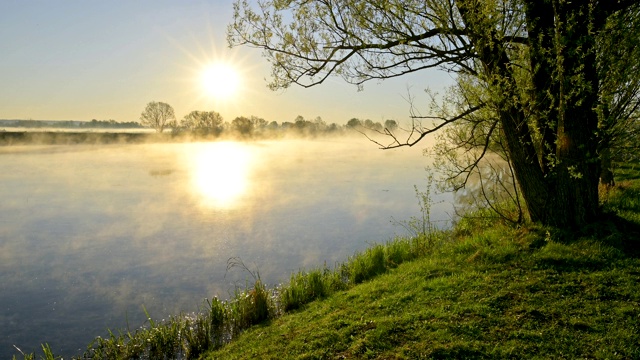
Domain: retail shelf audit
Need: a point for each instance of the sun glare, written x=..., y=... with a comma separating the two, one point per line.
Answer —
x=221, y=81
x=221, y=172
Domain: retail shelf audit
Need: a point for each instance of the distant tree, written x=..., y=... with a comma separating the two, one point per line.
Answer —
x=305, y=127
x=207, y=122
x=354, y=123
x=105, y=124
x=158, y=115
x=391, y=125
x=258, y=122
x=242, y=125
x=368, y=124
x=273, y=125
x=320, y=124
x=332, y=128
x=375, y=126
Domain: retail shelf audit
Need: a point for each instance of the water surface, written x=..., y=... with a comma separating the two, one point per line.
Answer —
x=90, y=234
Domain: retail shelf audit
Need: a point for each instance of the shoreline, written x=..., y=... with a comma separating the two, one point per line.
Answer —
x=10, y=138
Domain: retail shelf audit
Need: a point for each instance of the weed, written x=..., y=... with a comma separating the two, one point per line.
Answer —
x=421, y=226
x=46, y=350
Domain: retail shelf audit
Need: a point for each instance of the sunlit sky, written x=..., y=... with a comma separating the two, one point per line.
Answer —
x=83, y=60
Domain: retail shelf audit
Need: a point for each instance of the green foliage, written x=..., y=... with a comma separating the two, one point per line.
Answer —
x=303, y=288
x=216, y=323
x=250, y=307
x=367, y=265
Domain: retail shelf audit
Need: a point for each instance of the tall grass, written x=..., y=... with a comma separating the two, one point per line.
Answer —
x=46, y=350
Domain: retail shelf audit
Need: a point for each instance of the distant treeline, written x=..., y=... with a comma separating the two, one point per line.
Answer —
x=71, y=124
x=211, y=123
x=160, y=116
x=197, y=124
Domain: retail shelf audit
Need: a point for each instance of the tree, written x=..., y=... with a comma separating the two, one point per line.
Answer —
x=537, y=63
x=305, y=127
x=157, y=115
x=320, y=124
x=354, y=123
x=390, y=125
x=206, y=122
x=273, y=125
x=242, y=125
x=258, y=122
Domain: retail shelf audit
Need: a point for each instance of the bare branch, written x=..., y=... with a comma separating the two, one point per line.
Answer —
x=424, y=132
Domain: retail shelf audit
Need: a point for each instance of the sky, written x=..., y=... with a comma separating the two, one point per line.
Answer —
x=90, y=59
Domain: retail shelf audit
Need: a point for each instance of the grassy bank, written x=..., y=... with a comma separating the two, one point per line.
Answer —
x=484, y=290
x=496, y=292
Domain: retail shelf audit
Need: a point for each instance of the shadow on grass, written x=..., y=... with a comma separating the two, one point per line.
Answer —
x=629, y=232
x=627, y=171
x=598, y=246
x=457, y=352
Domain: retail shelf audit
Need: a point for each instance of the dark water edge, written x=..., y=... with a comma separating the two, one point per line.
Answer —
x=68, y=138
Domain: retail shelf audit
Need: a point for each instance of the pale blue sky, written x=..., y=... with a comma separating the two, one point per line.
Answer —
x=80, y=60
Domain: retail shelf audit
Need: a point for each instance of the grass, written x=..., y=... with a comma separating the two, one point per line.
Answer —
x=503, y=293
x=485, y=290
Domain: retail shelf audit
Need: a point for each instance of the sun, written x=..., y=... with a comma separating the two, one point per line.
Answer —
x=221, y=81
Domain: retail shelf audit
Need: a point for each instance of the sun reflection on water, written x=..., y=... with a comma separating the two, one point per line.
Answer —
x=221, y=173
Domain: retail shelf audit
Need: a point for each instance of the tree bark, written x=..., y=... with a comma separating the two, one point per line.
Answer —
x=540, y=29
x=575, y=182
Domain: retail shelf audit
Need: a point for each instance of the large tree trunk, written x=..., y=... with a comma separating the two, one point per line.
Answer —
x=519, y=141
x=574, y=188
x=564, y=192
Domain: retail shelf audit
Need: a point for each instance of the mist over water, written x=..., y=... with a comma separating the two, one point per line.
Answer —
x=90, y=234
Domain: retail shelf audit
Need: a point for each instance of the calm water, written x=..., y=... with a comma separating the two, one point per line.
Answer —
x=90, y=234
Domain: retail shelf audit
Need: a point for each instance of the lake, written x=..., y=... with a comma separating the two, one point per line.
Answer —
x=91, y=234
